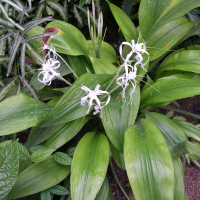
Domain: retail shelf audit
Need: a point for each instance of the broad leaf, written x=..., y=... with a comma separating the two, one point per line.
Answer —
x=149, y=12
x=173, y=135
x=176, y=9
x=161, y=41
x=62, y=158
x=20, y=112
x=68, y=40
x=104, y=192
x=170, y=89
x=9, y=165
x=193, y=150
x=148, y=162
x=38, y=177
x=36, y=148
x=189, y=129
x=107, y=53
x=23, y=152
x=185, y=61
x=68, y=108
x=89, y=166
x=126, y=25
x=178, y=180
x=118, y=115
x=103, y=67
x=45, y=195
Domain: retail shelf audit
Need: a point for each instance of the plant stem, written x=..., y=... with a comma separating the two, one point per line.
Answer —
x=116, y=178
x=97, y=52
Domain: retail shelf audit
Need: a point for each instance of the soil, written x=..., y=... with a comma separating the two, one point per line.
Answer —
x=191, y=172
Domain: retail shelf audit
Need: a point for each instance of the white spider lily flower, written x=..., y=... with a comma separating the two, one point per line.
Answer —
x=138, y=48
x=124, y=82
x=92, y=95
x=49, y=71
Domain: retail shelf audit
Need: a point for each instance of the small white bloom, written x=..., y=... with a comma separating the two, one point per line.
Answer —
x=137, y=48
x=49, y=71
x=92, y=95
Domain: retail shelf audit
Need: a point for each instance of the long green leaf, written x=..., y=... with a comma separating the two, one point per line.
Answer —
x=161, y=41
x=126, y=25
x=38, y=177
x=68, y=40
x=104, y=192
x=9, y=165
x=89, y=166
x=173, y=135
x=20, y=112
x=170, y=89
x=176, y=9
x=178, y=180
x=148, y=162
x=117, y=116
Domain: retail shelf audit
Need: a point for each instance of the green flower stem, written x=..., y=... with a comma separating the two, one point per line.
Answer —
x=116, y=178
x=65, y=80
x=97, y=52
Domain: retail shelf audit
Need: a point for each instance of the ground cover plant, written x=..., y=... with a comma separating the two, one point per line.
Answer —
x=108, y=108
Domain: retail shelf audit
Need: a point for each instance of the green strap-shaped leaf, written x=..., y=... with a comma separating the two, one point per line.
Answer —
x=89, y=166
x=148, y=162
x=20, y=112
x=149, y=12
x=9, y=165
x=38, y=177
x=68, y=107
x=170, y=89
x=118, y=115
x=126, y=25
x=176, y=9
x=60, y=136
x=193, y=150
x=104, y=192
x=62, y=158
x=173, y=135
x=103, y=67
x=178, y=180
x=161, y=41
x=189, y=129
x=68, y=40
x=59, y=190
x=185, y=61
x=107, y=53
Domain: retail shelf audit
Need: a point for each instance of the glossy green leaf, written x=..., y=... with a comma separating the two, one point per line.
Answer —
x=170, y=89
x=89, y=166
x=68, y=107
x=118, y=116
x=185, y=61
x=176, y=9
x=71, y=151
x=23, y=152
x=38, y=177
x=68, y=40
x=104, y=192
x=189, y=129
x=193, y=150
x=9, y=165
x=59, y=190
x=173, y=135
x=107, y=53
x=45, y=195
x=149, y=12
x=62, y=134
x=185, y=197
x=36, y=148
x=4, y=143
x=178, y=180
x=62, y=158
x=41, y=155
x=20, y=112
x=148, y=162
x=117, y=156
x=103, y=67
x=161, y=41
x=126, y=25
